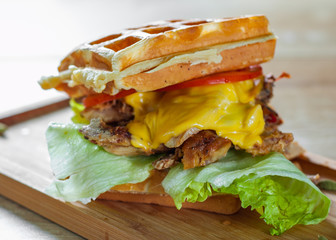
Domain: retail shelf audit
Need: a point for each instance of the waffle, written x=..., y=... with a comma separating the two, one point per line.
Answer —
x=151, y=192
x=168, y=52
x=163, y=38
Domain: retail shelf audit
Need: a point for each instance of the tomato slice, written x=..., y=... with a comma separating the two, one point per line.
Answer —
x=95, y=99
x=218, y=78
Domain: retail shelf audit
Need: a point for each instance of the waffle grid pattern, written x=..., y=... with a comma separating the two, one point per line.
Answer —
x=118, y=51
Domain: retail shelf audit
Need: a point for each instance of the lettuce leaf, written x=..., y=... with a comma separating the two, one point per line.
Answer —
x=84, y=170
x=77, y=108
x=270, y=182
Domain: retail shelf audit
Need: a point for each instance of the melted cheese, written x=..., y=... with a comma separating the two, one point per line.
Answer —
x=229, y=109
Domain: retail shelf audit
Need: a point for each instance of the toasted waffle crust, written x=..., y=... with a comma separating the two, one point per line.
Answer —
x=232, y=59
x=151, y=192
x=165, y=53
x=121, y=50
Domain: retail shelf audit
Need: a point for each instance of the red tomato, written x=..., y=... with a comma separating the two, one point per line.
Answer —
x=218, y=78
x=95, y=99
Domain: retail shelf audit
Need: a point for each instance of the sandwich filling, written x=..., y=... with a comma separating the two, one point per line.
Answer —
x=195, y=125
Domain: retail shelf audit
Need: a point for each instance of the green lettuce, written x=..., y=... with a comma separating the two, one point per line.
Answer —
x=270, y=182
x=84, y=170
x=77, y=108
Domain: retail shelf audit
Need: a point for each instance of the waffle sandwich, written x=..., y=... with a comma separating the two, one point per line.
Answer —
x=177, y=113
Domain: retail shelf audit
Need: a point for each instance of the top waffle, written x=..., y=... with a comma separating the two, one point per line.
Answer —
x=165, y=53
x=163, y=38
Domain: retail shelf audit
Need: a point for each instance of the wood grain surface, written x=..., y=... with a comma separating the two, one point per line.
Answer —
x=25, y=172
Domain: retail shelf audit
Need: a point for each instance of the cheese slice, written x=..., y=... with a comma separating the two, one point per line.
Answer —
x=229, y=109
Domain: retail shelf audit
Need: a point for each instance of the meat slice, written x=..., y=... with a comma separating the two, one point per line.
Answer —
x=116, y=140
x=204, y=148
x=273, y=141
x=175, y=142
x=271, y=117
x=293, y=150
x=266, y=92
x=168, y=161
x=110, y=112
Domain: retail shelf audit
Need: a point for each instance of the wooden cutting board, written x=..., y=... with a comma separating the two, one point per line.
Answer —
x=25, y=173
